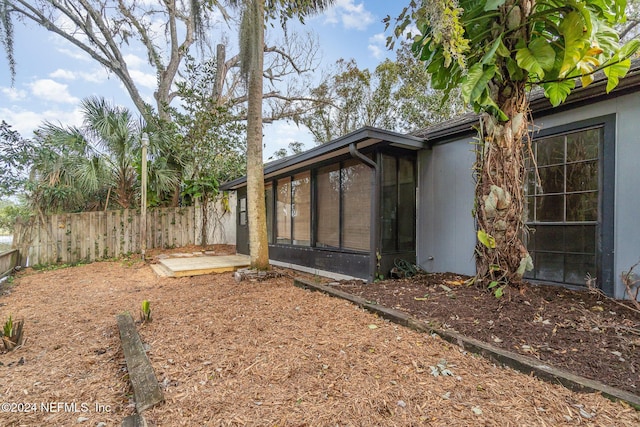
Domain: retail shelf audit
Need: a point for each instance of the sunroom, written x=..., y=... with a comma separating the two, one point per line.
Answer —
x=346, y=208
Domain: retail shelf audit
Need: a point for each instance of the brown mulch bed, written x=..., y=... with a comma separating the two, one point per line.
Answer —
x=258, y=353
x=582, y=332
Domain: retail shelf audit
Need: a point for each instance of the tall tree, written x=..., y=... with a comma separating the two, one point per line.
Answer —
x=101, y=29
x=496, y=51
x=251, y=35
x=86, y=168
x=397, y=95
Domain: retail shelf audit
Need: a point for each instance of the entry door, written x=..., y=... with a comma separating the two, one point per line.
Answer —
x=242, y=223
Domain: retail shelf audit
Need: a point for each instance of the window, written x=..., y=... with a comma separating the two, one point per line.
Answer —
x=283, y=211
x=563, y=211
x=398, y=204
x=406, y=205
x=356, y=205
x=243, y=211
x=344, y=191
x=328, y=207
x=301, y=209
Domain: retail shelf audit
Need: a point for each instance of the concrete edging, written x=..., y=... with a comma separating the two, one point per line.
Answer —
x=524, y=364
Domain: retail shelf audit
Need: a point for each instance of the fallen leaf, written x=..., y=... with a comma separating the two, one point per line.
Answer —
x=597, y=308
x=372, y=326
x=476, y=410
x=445, y=288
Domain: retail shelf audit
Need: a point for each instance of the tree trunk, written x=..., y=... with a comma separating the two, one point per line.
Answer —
x=258, y=246
x=501, y=255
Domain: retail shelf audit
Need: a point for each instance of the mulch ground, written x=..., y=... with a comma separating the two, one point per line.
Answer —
x=260, y=353
x=580, y=331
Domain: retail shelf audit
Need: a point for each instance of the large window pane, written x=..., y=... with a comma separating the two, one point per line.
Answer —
x=582, y=176
x=583, y=145
x=576, y=268
x=301, y=208
x=582, y=207
x=283, y=211
x=550, y=208
x=356, y=203
x=328, y=209
x=549, y=238
x=552, y=178
x=549, y=266
x=550, y=151
x=580, y=238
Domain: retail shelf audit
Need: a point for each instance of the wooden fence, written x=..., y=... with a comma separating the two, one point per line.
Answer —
x=8, y=261
x=91, y=236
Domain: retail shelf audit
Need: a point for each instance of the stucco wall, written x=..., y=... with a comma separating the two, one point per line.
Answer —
x=445, y=232
x=445, y=225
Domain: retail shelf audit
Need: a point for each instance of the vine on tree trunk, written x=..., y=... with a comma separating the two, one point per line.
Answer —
x=500, y=171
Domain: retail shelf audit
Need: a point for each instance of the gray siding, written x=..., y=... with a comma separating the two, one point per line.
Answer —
x=445, y=201
x=446, y=227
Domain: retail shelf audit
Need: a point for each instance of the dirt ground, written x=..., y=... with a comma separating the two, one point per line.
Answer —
x=253, y=354
x=582, y=332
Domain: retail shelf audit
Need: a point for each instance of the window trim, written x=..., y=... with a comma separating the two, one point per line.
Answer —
x=605, y=238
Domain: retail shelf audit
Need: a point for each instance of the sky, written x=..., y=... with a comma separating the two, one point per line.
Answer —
x=53, y=76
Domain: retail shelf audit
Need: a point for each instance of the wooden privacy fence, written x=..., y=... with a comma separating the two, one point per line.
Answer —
x=8, y=261
x=90, y=236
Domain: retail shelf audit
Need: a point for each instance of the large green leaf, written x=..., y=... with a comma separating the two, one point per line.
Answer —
x=575, y=38
x=615, y=72
x=477, y=81
x=489, y=57
x=557, y=92
x=536, y=58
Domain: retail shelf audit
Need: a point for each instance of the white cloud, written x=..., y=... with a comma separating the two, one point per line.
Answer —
x=13, y=94
x=143, y=79
x=134, y=62
x=25, y=122
x=98, y=75
x=377, y=45
x=63, y=74
x=350, y=14
x=51, y=90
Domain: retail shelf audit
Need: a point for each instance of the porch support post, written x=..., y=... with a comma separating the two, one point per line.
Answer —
x=374, y=226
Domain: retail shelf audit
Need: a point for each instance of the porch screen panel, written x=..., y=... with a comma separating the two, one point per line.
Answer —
x=563, y=210
x=268, y=198
x=389, y=203
x=356, y=203
x=328, y=206
x=406, y=205
x=301, y=208
x=283, y=211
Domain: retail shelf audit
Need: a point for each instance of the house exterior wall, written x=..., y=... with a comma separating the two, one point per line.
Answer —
x=445, y=189
x=445, y=229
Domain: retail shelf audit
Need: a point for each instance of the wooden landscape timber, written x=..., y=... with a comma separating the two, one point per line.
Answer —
x=143, y=379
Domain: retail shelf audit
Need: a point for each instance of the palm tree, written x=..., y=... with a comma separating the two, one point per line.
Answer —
x=251, y=35
x=79, y=168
